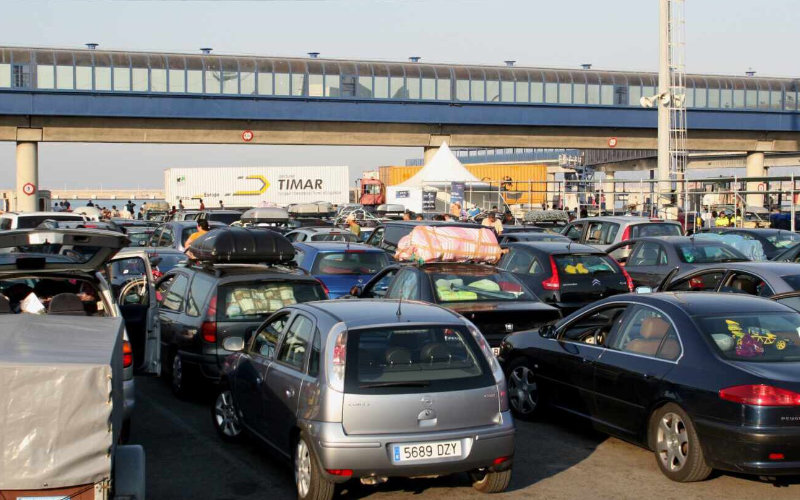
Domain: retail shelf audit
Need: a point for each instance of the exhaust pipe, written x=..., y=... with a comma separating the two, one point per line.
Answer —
x=373, y=480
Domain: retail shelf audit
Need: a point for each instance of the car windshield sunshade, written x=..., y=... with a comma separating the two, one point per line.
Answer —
x=784, y=239
x=255, y=301
x=755, y=337
x=577, y=264
x=478, y=287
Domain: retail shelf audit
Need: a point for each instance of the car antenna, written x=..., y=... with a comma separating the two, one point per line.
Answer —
x=399, y=312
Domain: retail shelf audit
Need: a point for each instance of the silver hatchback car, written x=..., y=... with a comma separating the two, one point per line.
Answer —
x=369, y=390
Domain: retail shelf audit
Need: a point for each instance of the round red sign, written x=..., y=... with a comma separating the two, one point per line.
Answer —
x=612, y=142
x=247, y=135
x=28, y=188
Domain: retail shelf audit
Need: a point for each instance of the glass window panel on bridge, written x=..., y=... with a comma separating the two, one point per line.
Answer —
x=726, y=98
x=281, y=75
x=507, y=78
x=298, y=70
x=194, y=74
x=477, y=85
x=550, y=87
x=428, y=83
x=121, y=73
x=689, y=97
x=102, y=71
x=443, y=85
x=462, y=83
x=176, y=74
x=65, y=71
x=380, y=81
x=396, y=81
x=21, y=69
x=265, y=82
x=790, y=97
x=229, y=75
x=751, y=99
x=247, y=76
x=158, y=74
x=492, y=85
x=139, y=73
x=579, y=93
x=713, y=98
x=45, y=70
x=701, y=97
x=316, y=79
x=413, y=81
x=776, y=100
x=332, y=79
x=564, y=93
x=5, y=68
x=364, y=87
x=213, y=76
x=634, y=95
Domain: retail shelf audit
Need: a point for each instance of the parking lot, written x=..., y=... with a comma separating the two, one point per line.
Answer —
x=555, y=459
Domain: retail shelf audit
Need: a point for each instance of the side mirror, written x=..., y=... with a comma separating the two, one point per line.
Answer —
x=643, y=289
x=233, y=344
x=547, y=332
x=355, y=291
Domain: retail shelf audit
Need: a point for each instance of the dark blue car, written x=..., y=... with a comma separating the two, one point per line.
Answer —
x=340, y=266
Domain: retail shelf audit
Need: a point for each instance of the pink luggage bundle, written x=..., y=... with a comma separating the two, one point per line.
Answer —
x=449, y=244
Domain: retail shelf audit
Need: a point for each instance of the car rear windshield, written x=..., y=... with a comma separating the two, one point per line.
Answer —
x=793, y=281
x=256, y=301
x=165, y=262
x=655, y=229
x=414, y=359
x=478, y=287
x=784, y=239
x=343, y=236
x=757, y=337
x=707, y=254
x=588, y=264
x=349, y=262
x=32, y=221
x=226, y=219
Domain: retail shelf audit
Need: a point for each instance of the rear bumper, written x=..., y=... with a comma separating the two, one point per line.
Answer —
x=207, y=365
x=747, y=449
x=371, y=455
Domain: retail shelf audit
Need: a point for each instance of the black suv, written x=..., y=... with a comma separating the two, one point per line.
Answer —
x=205, y=302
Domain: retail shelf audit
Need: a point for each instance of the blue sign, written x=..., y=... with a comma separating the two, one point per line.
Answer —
x=457, y=192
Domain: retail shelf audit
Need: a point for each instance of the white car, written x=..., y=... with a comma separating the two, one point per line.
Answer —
x=30, y=220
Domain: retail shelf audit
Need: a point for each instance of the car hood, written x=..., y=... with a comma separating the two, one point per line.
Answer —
x=85, y=250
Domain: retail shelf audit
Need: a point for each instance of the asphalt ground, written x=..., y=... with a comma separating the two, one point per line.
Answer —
x=556, y=458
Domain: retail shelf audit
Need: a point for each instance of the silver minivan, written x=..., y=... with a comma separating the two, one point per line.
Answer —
x=604, y=231
x=368, y=390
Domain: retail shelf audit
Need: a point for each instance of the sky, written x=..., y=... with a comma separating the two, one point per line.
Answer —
x=723, y=36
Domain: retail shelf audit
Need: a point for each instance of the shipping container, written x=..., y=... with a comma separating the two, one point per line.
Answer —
x=527, y=185
x=244, y=187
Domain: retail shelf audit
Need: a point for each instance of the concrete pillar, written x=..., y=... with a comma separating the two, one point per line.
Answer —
x=754, y=167
x=428, y=153
x=27, y=176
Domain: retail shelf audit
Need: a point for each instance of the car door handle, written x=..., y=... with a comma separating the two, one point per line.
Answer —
x=289, y=392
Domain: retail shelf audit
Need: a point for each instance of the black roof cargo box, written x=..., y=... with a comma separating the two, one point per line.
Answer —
x=242, y=245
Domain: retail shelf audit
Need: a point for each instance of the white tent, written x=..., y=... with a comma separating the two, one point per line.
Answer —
x=443, y=169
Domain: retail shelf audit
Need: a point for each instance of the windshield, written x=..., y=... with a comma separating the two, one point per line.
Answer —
x=226, y=219
x=762, y=337
x=432, y=358
x=793, y=281
x=255, y=301
x=784, y=239
x=139, y=238
x=32, y=221
x=589, y=264
x=707, y=254
x=656, y=229
x=344, y=236
x=50, y=252
x=165, y=262
x=349, y=262
x=478, y=287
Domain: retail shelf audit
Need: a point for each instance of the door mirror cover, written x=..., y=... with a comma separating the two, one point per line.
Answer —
x=548, y=332
x=233, y=344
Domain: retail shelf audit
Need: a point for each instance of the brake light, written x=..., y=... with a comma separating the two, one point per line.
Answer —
x=553, y=282
x=776, y=456
x=500, y=460
x=327, y=292
x=127, y=354
x=337, y=357
x=628, y=278
x=209, y=327
x=626, y=234
x=760, y=395
x=340, y=472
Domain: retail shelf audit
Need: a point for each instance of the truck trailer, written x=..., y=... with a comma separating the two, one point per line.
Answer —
x=245, y=187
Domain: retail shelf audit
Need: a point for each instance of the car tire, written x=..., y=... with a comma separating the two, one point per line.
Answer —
x=179, y=380
x=225, y=415
x=491, y=482
x=673, y=439
x=309, y=481
x=523, y=391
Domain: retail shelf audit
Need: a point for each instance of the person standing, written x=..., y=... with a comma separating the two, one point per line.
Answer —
x=131, y=207
x=180, y=205
x=114, y=211
x=140, y=215
x=353, y=224
x=721, y=220
x=202, y=228
x=89, y=203
x=202, y=205
x=492, y=222
x=221, y=206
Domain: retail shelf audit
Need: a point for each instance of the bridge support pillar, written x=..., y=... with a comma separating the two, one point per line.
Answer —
x=27, y=176
x=754, y=167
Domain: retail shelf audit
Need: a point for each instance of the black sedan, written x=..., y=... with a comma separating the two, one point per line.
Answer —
x=649, y=259
x=494, y=300
x=564, y=274
x=764, y=279
x=791, y=254
x=773, y=241
x=705, y=383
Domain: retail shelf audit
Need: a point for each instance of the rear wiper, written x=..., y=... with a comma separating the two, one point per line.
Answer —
x=420, y=383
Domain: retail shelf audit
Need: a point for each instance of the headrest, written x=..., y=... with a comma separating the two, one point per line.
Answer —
x=67, y=304
x=398, y=356
x=654, y=328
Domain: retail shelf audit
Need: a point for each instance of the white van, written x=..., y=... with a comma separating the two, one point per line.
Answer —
x=30, y=220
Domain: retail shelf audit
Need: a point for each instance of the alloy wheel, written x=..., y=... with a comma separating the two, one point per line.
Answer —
x=672, y=442
x=302, y=468
x=225, y=414
x=523, y=394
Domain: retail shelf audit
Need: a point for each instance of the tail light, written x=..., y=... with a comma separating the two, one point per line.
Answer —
x=340, y=472
x=628, y=278
x=337, y=356
x=209, y=327
x=327, y=292
x=502, y=393
x=760, y=395
x=127, y=354
x=553, y=282
x=626, y=234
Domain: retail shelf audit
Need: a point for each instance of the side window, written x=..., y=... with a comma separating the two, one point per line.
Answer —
x=376, y=237
x=5, y=223
x=595, y=327
x=601, y=233
x=623, y=253
x=747, y=283
x=173, y=299
x=574, y=232
x=166, y=238
x=266, y=340
x=313, y=360
x=162, y=286
x=405, y=286
x=296, y=343
x=648, y=253
x=299, y=255
x=126, y=269
x=517, y=261
x=647, y=332
x=703, y=282
x=198, y=291
x=380, y=287
x=155, y=236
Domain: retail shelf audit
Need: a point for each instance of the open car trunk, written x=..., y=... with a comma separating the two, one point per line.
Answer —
x=84, y=250
x=59, y=374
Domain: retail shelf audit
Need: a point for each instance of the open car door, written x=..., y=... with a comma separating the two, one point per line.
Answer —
x=133, y=284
